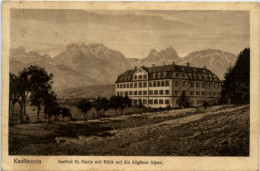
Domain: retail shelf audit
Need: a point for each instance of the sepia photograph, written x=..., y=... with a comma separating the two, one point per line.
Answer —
x=122, y=82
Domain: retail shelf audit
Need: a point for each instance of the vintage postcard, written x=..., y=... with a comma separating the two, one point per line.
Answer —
x=130, y=85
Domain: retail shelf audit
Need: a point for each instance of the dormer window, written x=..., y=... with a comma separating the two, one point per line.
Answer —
x=210, y=77
x=122, y=78
x=195, y=76
x=159, y=75
x=199, y=76
x=164, y=74
x=145, y=76
x=190, y=75
x=129, y=78
x=125, y=78
x=154, y=75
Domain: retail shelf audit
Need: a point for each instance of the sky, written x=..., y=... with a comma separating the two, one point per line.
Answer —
x=134, y=33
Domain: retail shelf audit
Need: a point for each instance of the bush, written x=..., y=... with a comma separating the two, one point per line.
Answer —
x=206, y=104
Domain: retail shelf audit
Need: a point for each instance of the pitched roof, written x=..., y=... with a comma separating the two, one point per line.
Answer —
x=168, y=70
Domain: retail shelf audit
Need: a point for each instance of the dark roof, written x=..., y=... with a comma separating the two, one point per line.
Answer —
x=166, y=72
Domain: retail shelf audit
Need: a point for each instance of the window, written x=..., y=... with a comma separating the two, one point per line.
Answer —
x=214, y=93
x=127, y=85
x=135, y=85
x=203, y=93
x=150, y=101
x=191, y=84
x=203, y=85
x=140, y=92
x=197, y=93
x=198, y=102
x=184, y=92
x=135, y=92
x=176, y=83
x=155, y=92
x=214, y=85
x=121, y=86
x=135, y=101
x=161, y=92
x=190, y=75
x=135, y=77
x=129, y=78
x=124, y=85
x=154, y=83
x=150, y=92
x=145, y=76
x=130, y=93
x=155, y=101
x=117, y=93
x=166, y=92
x=150, y=84
x=140, y=85
x=140, y=77
x=183, y=76
x=158, y=83
x=131, y=85
x=197, y=84
x=192, y=93
x=183, y=83
x=145, y=84
x=177, y=74
x=121, y=93
x=195, y=76
x=218, y=85
x=176, y=92
x=126, y=93
x=160, y=101
x=166, y=83
x=117, y=85
x=209, y=93
x=166, y=101
x=162, y=83
x=199, y=76
x=209, y=85
x=144, y=101
x=145, y=93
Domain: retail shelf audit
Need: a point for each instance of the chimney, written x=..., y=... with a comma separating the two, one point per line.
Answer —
x=135, y=67
x=205, y=67
x=188, y=64
x=173, y=63
x=153, y=65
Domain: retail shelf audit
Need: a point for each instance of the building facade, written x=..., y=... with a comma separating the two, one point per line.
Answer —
x=161, y=86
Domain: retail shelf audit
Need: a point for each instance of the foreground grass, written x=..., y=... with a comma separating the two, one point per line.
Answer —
x=190, y=132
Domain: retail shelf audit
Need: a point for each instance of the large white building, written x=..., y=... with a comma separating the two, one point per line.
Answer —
x=160, y=86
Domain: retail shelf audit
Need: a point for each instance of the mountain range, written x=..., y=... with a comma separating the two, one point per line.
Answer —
x=81, y=65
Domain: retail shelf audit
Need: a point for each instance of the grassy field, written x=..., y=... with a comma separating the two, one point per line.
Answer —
x=216, y=131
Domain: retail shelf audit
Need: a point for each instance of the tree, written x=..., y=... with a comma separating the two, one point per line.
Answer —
x=98, y=105
x=183, y=101
x=114, y=102
x=236, y=84
x=65, y=112
x=105, y=105
x=51, y=106
x=85, y=105
x=40, y=85
x=123, y=103
x=13, y=92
